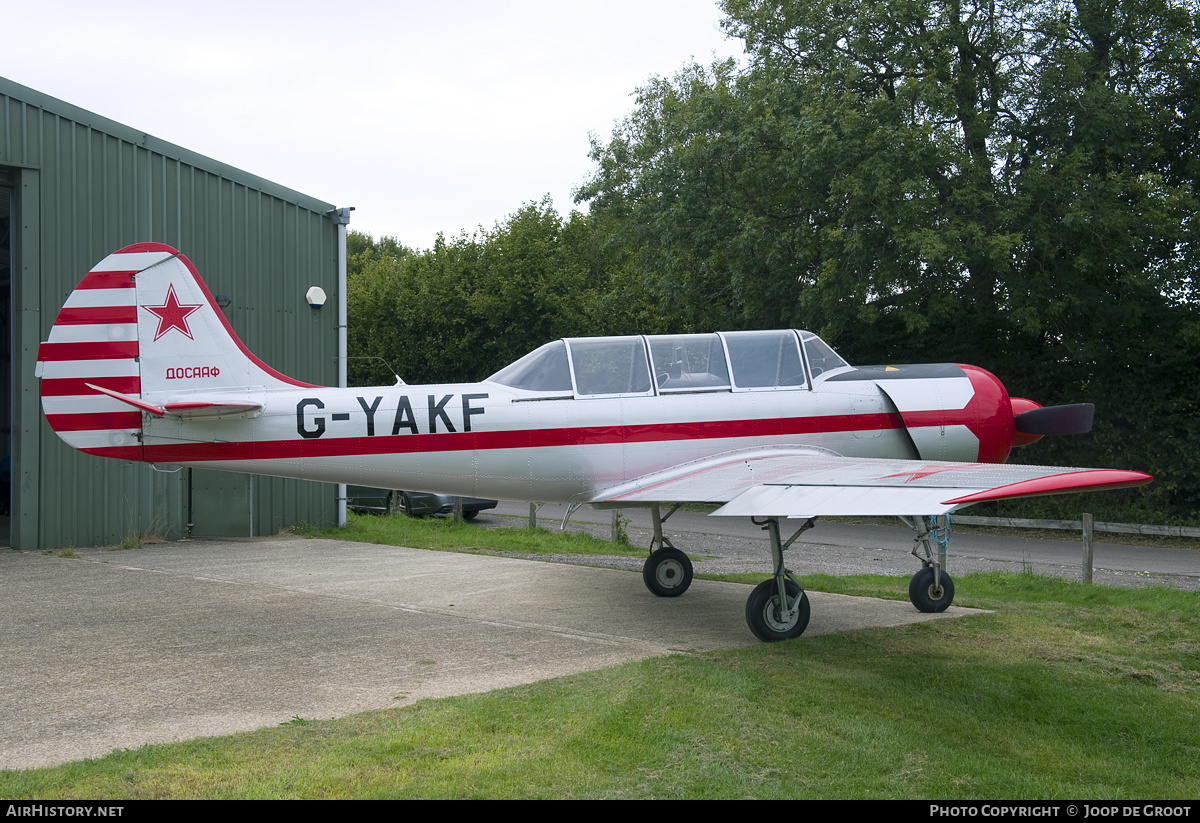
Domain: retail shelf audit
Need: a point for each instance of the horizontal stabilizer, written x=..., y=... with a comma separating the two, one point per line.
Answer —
x=210, y=409
x=136, y=402
x=191, y=408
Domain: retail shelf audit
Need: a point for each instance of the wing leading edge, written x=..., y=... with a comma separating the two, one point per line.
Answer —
x=807, y=482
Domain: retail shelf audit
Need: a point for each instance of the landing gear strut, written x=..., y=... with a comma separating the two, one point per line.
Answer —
x=667, y=571
x=778, y=608
x=931, y=589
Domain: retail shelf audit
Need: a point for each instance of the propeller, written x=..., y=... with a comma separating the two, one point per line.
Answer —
x=1072, y=419
x=1032, y=421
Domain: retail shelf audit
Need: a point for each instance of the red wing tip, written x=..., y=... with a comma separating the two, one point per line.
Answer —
x=1069, y=482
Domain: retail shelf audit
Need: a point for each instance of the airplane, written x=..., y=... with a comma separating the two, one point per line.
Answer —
x=142, y=365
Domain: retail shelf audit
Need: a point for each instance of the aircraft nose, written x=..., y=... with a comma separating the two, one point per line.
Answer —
x=990, y=415
x=1020, y=405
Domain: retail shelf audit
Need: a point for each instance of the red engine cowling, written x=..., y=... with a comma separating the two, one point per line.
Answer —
x=989, y=415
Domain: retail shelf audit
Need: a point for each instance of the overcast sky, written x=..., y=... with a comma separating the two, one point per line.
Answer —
x=425, y=117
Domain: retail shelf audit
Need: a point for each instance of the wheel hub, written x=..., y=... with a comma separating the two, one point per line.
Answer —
x=669, y=573
x=780, y=619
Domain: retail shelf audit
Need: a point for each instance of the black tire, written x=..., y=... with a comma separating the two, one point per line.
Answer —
x=925, y=596
x=406, y=505
x=766, y=620
x=667, y=572
x=471, y=515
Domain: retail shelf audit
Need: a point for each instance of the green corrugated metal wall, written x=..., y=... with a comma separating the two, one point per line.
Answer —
x=85, y=186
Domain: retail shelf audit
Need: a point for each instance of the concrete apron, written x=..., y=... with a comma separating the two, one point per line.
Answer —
x=117, y=649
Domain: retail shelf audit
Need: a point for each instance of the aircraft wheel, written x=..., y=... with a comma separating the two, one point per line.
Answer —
x=667, y=572
x=770, y=623
x=925, y=596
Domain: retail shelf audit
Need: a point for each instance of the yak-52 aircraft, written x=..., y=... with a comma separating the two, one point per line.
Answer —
x=142, y=365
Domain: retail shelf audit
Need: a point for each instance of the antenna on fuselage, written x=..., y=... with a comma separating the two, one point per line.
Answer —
x=386, y=365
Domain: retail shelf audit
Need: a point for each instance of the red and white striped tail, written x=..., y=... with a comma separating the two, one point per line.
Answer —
x=141, y=334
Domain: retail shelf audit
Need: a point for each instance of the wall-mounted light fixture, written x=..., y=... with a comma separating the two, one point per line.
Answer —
x=224, y=301
x=315, y=297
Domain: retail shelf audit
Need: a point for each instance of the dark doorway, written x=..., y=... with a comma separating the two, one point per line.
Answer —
x=6, y=350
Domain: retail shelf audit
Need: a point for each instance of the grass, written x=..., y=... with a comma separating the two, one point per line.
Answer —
x=1063, y=691
x=446, y=534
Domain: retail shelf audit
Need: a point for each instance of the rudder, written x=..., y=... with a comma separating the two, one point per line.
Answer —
x=141, y=334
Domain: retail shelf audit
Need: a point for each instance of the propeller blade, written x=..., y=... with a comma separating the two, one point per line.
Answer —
x=1072, y=419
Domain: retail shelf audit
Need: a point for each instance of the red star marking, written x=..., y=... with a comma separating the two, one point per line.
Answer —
x=172, y=315
x=919, y=474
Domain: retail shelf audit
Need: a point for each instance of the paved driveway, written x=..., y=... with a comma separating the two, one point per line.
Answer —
x=116, y=649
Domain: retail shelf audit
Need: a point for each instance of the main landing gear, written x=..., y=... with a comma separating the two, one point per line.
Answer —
x=778, y=608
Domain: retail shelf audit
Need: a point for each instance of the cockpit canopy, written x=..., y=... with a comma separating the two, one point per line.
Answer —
x=673, y=363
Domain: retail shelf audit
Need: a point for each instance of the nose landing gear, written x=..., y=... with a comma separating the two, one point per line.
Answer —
x=931, y=589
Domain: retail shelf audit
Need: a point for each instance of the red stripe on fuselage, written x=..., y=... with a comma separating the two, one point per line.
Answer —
x=517, y=439
x=133, y=453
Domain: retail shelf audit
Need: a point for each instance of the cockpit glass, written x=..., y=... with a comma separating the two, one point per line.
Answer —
x=763, y=359
x=607, y=366
x=610, y=365
x=543, y=369
x=689, y=362
x=821, y=358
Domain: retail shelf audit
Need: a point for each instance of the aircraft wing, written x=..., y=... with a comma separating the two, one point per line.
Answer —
x=806, y=482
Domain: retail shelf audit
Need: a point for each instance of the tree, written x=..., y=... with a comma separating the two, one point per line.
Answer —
x=1001, y=183
x=474, y=303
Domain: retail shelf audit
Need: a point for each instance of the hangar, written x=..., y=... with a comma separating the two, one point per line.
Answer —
x=75, y=186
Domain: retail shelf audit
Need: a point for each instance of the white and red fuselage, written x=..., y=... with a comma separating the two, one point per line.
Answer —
x=142, y=365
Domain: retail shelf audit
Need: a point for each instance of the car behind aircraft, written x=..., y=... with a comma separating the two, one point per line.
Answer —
x=412, y=503
x=773, y=425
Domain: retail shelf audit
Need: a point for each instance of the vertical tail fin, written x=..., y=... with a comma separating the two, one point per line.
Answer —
x=141, y=334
